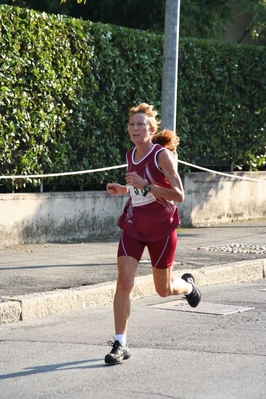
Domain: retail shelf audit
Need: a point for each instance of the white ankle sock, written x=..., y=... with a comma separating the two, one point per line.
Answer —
x=122, y=338
x=190, y=289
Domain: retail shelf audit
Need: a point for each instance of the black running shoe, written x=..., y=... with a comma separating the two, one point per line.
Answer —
x=117, y=354
x=194, y=297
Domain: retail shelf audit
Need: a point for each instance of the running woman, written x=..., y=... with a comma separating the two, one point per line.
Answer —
x=150, y=219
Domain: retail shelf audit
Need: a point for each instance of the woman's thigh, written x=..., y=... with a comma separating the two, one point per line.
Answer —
x=131, y=247
x=163, y=281
x=129, y=254
x=162, y=252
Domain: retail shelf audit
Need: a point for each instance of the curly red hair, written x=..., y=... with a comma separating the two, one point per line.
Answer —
x=166, y=138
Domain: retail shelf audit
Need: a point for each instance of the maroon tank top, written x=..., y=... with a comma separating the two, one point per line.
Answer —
x=148, y=218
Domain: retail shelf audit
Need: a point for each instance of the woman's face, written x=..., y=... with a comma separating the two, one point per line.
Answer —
x=139, y=128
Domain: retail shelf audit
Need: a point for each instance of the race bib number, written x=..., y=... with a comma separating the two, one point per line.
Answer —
x=137, y=197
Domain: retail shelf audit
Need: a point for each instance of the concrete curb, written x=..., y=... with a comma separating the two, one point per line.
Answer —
x=38, y=305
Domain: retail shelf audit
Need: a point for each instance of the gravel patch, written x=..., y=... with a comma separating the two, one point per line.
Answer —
x=237, y=248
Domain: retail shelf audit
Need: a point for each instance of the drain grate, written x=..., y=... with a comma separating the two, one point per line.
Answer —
x=203, y=307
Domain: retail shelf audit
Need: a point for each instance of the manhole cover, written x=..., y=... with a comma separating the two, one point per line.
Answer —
x=203, y=307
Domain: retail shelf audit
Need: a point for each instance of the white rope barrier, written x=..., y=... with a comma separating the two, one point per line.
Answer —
x=80, y=172
x=221, y=173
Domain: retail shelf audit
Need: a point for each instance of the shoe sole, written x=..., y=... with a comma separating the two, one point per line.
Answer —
x=111, y=360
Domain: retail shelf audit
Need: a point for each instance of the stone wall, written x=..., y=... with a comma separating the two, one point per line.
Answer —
x=67, y=216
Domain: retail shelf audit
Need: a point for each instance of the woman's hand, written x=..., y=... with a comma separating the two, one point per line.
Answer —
x=133, y=179
x=116, y=189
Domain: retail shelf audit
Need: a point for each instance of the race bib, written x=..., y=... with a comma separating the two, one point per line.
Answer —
x=137, y=197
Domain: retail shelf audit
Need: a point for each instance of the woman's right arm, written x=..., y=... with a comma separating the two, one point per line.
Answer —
x=116, y=189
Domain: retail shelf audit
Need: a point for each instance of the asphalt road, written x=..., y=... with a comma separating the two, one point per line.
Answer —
x=27, y=269
x=176, y=354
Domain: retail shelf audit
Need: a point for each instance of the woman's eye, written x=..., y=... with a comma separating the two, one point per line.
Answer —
x=138, y=124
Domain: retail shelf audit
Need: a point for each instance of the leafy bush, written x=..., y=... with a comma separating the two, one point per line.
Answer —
x=41, y=84
x=67, y=85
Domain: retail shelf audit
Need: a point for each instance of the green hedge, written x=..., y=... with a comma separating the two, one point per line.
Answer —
x=67, y=86
x=222, y=103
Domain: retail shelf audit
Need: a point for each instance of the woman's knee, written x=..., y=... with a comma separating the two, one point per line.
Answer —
x=125, y=284
x=127, y=267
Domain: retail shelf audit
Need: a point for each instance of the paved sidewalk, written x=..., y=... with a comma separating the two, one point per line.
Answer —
x=42, y=279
